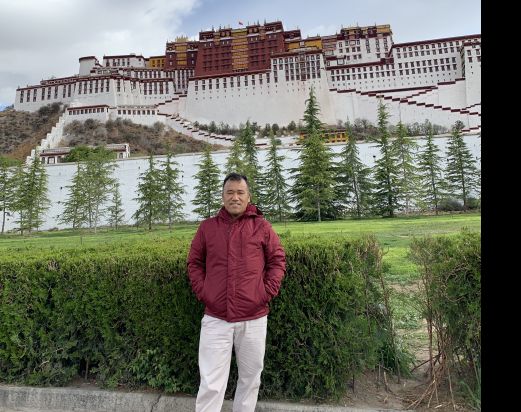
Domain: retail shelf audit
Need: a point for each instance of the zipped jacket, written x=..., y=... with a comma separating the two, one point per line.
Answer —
x=236, y=267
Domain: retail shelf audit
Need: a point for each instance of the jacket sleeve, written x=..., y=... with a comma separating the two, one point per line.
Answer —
x=197, y=263
x=275, y=258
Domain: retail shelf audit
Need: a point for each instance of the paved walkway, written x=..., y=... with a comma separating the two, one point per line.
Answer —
x=31, y=399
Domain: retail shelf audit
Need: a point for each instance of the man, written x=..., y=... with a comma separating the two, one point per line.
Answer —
x=236, y=265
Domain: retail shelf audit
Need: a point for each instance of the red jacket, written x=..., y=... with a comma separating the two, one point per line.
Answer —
x=236, y=267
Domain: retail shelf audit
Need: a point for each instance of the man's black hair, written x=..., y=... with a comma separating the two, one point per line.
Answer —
x=236, y=177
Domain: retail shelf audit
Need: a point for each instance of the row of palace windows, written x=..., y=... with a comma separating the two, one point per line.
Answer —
x=253, y=79
x=119, y=62
x=148, y=74
x=423, y=53
x=136, y=112
x=427, y=62
x=400, y=66
x=45, y=91
x=156, y=88
x=87, y=111
x=147, y=88
x=393, y=73
x=302, y=76
x=428, y=46
x=93, y=86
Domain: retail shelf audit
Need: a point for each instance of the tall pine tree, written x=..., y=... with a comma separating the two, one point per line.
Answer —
x=353, y=188
x=250, y=163
x=98, y=183
x=208, y=187
x=405, y=149
x=430, y=173
x=275, y=199
x=234, y=162
x=314, y=177
x=386, y=174
x=7, y=188
x=75, y=205
x=32, y=198
x=461, y=172
x=115, y=211
x=149, y=196
x=172, y=191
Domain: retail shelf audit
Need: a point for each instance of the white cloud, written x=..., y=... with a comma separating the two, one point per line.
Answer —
x=43, y=38
x=321, y=30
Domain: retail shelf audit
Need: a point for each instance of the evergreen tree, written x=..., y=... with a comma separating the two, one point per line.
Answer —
x=266, y=131
x=116, y=214
x=461, y=172
x=172, y=191
x=275, y=200
x=478, y=182
x=386, y=174
x=250, y=163
x=354, y=186
x=234, y=162
x=75, y=209
x=149, y=196
x=32, y=199
x=98, y=184
x=208, y=188
x=7, y=188
x=313, y=188
x=405, y=149
x=430, y=173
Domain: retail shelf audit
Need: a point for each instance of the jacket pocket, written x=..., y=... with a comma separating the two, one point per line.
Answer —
x=266, y=297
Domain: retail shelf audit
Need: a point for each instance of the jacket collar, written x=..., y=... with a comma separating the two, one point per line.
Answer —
x=251, y=210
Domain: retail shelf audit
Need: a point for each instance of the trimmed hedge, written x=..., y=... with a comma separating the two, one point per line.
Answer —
x=125, y=314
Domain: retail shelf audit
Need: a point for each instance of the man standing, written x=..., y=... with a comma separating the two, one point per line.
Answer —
x=236, y=265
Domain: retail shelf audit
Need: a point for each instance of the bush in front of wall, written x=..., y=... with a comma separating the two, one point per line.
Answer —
x=125, y=315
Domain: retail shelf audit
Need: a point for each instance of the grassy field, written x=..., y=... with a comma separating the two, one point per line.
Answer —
x=394, y=235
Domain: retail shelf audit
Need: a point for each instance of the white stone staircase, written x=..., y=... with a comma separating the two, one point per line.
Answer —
x=52, y=139
x=185, y=127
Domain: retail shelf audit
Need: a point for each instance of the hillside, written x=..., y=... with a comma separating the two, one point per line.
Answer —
x=156, y=139
x=22, y=131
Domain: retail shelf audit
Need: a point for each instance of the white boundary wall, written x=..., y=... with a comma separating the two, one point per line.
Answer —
x=128, y=172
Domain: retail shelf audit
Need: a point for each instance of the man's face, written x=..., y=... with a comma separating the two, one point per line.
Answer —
x=235, y=197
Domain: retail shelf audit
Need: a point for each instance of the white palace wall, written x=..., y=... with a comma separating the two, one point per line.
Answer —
x=128, y=171
x=271, y=102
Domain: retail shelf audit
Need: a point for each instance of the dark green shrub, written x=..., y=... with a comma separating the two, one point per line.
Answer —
x=450, y=205
x=125, y=314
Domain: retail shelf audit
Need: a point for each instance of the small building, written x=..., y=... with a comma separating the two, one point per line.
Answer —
x=56, y=154
x=329, y=135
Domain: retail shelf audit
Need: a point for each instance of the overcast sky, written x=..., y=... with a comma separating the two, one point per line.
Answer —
x=44, y=38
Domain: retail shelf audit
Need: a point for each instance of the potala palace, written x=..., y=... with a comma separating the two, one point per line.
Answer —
x=263, y=73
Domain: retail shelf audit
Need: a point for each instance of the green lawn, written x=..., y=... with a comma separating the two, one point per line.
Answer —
x=393, y=234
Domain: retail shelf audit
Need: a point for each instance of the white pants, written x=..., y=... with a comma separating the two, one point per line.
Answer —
x=215, y=354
